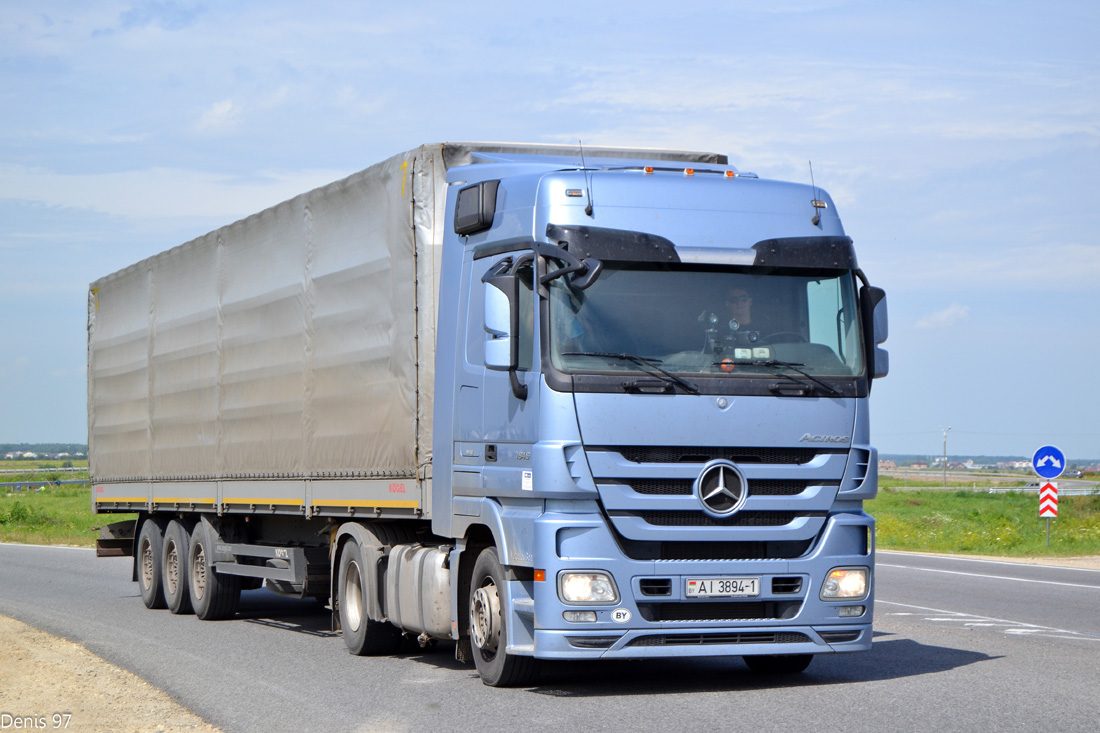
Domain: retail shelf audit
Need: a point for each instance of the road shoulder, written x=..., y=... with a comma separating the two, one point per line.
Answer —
x=42, y=676
x=1088, y=562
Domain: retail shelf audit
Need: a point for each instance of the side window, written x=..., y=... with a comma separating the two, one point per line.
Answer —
x=825, y=310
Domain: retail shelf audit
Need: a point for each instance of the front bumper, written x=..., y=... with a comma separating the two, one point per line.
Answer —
x=655, y=618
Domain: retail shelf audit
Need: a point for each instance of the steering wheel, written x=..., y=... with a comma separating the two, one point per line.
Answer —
x=785, y=336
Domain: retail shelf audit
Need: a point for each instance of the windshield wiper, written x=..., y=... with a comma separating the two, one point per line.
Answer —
x=644, y=361
x=794, y=366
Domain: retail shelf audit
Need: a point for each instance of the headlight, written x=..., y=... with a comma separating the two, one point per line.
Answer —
x=587, y=587
x=845, y=583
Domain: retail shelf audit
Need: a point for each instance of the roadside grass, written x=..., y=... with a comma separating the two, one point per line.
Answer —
x=931, y=481
x=45, y=464
x=980, y=523
x=959, y=521
x=54, y=515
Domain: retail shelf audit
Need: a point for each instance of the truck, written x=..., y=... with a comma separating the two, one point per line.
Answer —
x=538, y=401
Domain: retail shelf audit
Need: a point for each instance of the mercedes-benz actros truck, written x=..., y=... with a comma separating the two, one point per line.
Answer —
x=537, y=401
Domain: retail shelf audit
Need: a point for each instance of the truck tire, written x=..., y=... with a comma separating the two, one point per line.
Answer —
x=779, y=663
x=363, y=635
x=150, y=546
x=213, y=596
x=489, y=627
x=173, y=574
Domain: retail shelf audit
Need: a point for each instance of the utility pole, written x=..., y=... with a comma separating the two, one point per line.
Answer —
x=945, y=430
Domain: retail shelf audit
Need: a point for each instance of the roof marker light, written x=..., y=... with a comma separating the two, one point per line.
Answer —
x=648, y=169
x=574, y=192
x=731, y=174
x=689, y=171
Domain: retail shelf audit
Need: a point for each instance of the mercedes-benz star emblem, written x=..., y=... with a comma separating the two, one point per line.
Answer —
x=720, y=488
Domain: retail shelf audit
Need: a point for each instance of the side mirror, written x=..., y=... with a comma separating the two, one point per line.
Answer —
x=875, y=328
x=502, y=323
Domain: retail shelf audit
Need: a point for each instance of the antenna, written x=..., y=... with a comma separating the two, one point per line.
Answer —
x=815, y=203
x=587, y=185
x=817, y=217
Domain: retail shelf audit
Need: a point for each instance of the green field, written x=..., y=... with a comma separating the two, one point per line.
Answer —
x=47, y=513
x=980, y=523
x=974, y=522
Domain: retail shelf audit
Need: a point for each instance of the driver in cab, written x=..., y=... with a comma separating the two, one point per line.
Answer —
x=739, y=304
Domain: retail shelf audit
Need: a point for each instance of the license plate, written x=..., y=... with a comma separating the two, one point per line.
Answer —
x=722, y=587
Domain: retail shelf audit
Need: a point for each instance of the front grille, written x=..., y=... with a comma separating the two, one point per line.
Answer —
x=723, y=611
x=684, y=487
x=695, y=454
x=735, y=550
x=749, y=637
x=662, y=487
x=698, y=519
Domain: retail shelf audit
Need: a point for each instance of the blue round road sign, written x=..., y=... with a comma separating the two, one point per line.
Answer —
x=1048, y=462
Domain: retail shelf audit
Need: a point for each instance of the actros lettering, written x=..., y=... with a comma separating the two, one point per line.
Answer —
x=809, y=438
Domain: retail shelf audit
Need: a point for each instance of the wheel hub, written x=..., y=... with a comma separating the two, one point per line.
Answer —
x=485, y=618
x=198, y=572
x=352, y=599
x=147, y=561
x=172, y=568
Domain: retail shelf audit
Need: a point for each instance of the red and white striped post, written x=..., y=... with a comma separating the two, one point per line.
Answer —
x=1048, y=504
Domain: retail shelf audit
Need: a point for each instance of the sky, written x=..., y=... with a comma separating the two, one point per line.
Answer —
x=960, y=142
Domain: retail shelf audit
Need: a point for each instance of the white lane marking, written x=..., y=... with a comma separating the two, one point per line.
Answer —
x=993, y=577
x=971, y=619
x=983, y=560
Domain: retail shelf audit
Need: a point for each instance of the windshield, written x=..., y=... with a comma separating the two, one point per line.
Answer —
x=707, y=321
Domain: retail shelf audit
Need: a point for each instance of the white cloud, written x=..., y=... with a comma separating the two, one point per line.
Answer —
x=160, y=192
x=949, y=316
x=219, y=118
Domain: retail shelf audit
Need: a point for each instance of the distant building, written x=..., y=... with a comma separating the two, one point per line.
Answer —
x=886, y=465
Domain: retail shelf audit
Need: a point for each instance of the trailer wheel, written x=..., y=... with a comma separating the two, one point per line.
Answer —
x=177, y=542
x=363, y=635
x=489, y=627
x=149, y=549
x=779, y=663
x=213, y=596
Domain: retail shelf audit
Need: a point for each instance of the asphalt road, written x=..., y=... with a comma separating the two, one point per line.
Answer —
x=960, y=645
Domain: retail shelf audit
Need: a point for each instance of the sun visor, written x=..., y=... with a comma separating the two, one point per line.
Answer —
x=613, y=245
x=831, y=253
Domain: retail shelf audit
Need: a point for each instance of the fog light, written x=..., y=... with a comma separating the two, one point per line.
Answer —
x=850, y=611
x=578, y=617
x=845, y=583
x=587, y=587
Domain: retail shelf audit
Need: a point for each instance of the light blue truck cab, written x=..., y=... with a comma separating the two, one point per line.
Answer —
x=651, y=415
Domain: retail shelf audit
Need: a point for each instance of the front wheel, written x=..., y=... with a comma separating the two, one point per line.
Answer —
x=779, y=663
x=489, y=627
